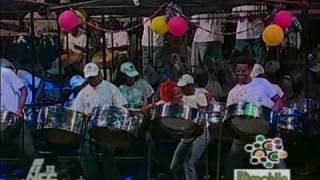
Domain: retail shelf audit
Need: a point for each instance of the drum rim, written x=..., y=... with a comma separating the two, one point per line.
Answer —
x=61, y=108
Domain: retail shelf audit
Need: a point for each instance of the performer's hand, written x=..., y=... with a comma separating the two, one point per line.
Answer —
x=19, y=113
x=147, y=108
x=209, y=96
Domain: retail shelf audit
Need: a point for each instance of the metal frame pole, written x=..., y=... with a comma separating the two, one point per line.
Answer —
x=104, y=63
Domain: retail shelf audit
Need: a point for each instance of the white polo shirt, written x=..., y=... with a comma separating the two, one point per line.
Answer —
x=257, y=91
x=105, y=93
x=10, y=90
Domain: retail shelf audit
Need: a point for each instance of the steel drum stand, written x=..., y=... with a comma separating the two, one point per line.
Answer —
x=206, y=129
x=148, y=135
x=219, y=151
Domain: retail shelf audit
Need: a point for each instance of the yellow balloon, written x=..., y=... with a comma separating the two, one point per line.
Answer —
x=159, y=25
x=273, y=35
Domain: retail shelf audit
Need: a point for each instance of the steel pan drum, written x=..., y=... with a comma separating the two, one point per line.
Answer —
x=290, y=119
x=312, y=115
x=10, y=124
x=180, y=121
x=60, y=125
x=248, y=119
x=114, y=126
x=215, y=114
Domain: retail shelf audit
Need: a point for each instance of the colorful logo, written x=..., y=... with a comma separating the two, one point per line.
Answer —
x=267, y=152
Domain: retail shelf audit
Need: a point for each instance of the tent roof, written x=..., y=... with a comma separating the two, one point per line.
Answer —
x=18, y=8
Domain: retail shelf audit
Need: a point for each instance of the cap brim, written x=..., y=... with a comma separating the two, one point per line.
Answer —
x=132, y=74
x=91, y=74
x=315, y=68
x=181, y=84
x=77, y=84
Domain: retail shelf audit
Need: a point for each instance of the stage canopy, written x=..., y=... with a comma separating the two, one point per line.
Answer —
x=15, y=9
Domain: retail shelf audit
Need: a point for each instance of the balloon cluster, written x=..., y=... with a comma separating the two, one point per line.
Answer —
x=267, y=152
x=273, y=34
x=177, y=25
x=69, y=20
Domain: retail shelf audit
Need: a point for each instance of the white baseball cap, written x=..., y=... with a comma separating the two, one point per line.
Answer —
x=90, y=70
x=76, y=81
x=185, y=79
x=129, y=69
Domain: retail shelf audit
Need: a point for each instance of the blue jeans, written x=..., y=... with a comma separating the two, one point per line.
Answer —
x=254, y=46
x=186, y=155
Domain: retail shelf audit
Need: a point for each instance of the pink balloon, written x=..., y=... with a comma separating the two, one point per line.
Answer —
x=283, y=19
x=69, y=20
x=178, y=26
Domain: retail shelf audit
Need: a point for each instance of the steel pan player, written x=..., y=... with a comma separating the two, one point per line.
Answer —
x=248, y=90
x=13, y=98
x=189, y=150
x=98, y=92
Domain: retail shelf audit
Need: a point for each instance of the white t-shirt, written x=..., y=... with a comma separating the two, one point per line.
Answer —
x=26, y=78
x=198, y=99
x=120, y=38
x=10, y=90
x=46, y=24
x=105, y=93
x=244, y=11
x=257, y=91
x=157, y=40
x=79, y=40
x=212, y=24
x=195, y=101
x=275, y=86
x=200, y=91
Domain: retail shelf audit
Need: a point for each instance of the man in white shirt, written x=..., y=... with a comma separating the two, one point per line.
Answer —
x=152, y=46
x=13, y=92
x=249, y=30
x=74, y=45
x=117, y=42
x=206, y=46
x=97, y=94
x=13, y=98
x=189, y=150
x=256, y=91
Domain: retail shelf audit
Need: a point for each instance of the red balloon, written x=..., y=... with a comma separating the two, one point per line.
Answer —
x=178, y=26
x=69, y=20
x=283, y=19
